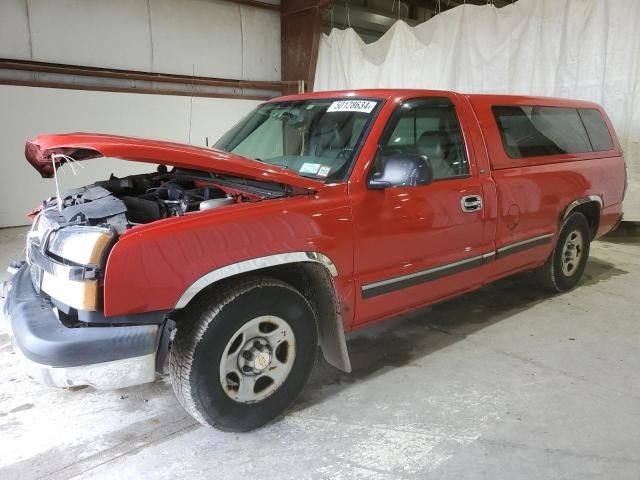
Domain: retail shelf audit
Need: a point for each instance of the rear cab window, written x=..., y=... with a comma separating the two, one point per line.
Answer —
x=545, y=131
x=596, y=129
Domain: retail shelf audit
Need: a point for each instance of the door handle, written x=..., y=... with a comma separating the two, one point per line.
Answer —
x=471, y=203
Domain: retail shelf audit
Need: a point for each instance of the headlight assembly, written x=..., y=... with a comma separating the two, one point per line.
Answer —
x=81, y=245
x=79, y=295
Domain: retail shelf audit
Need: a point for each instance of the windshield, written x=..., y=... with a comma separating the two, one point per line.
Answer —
x=315, y=138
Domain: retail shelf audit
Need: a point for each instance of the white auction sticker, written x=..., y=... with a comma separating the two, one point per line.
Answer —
x=324, y=171
x=310, y=168
x=364, y=106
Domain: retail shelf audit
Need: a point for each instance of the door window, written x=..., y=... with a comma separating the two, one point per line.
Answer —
x=429, y=128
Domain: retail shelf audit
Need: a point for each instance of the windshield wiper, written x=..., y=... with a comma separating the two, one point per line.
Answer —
x=237, y=182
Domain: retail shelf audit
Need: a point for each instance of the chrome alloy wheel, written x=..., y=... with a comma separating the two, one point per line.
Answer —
x=572, y=253
x=257, y=359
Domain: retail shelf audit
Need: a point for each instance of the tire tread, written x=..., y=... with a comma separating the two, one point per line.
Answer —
x=193, y=327
x=547, y=274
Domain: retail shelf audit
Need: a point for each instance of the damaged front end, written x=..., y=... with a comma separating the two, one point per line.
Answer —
x=54, y=303
x=69, y=242
x=58, y=355
x=66, y=259
x=68, y=246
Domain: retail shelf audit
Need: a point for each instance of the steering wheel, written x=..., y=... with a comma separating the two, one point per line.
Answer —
x=344, y=153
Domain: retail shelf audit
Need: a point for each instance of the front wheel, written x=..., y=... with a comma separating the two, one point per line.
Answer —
x=567, y=263
x=244, y=353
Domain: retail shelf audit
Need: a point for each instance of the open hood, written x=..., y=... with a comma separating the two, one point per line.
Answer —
x=84, y=146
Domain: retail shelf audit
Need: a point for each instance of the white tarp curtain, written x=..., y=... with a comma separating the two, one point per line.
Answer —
x=583, y=49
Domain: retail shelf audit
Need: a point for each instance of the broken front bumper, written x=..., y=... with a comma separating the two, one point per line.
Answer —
x=102, y=357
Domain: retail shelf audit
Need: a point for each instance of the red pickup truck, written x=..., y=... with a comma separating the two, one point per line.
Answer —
x=315, y=215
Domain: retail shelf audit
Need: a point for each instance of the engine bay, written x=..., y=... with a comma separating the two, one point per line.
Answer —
x=122, y=203
x=152, y=197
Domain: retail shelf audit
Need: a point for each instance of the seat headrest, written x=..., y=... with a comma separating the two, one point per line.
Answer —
x=331, y=132
x=434, y=145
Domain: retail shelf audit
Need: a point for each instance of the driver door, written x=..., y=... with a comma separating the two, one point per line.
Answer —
x=419, y=244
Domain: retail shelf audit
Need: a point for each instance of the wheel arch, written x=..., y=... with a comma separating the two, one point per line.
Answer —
x=311, y=273
x=590, y=207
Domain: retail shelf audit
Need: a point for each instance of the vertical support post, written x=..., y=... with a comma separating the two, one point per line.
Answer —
x=301, y=29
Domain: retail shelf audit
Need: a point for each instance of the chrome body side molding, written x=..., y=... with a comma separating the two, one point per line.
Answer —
x=397, y=283
x=251, y=265
x=389, y=285
x=524, y=245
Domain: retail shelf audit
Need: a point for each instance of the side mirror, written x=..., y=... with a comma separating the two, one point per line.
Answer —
x=402, y=170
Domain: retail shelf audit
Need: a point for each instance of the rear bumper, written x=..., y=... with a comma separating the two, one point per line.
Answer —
x=56, y=355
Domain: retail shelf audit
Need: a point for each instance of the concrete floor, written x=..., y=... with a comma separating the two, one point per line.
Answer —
x=503, y=383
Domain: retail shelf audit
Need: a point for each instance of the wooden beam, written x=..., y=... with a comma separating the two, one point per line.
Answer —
x=167, y=84
x=301, y=29
x=27, y=65
x=147, y=91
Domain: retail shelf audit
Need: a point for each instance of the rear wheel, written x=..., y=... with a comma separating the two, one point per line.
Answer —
x=241, y=359
x=567, y=263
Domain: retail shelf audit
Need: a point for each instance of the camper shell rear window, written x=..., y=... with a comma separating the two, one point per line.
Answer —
x=533, y=131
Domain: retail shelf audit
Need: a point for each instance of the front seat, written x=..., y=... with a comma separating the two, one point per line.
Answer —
x=437, y=147
x=329, y=137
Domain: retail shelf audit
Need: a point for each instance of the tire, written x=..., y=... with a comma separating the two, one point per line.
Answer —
x=216, y=365
x=561, y=272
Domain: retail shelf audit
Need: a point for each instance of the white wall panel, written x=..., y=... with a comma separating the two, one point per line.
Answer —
x=92, y=33
x=217, y=38
x=261, y=58
x=14, y=29
x=27, y=112
x=197, y=32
